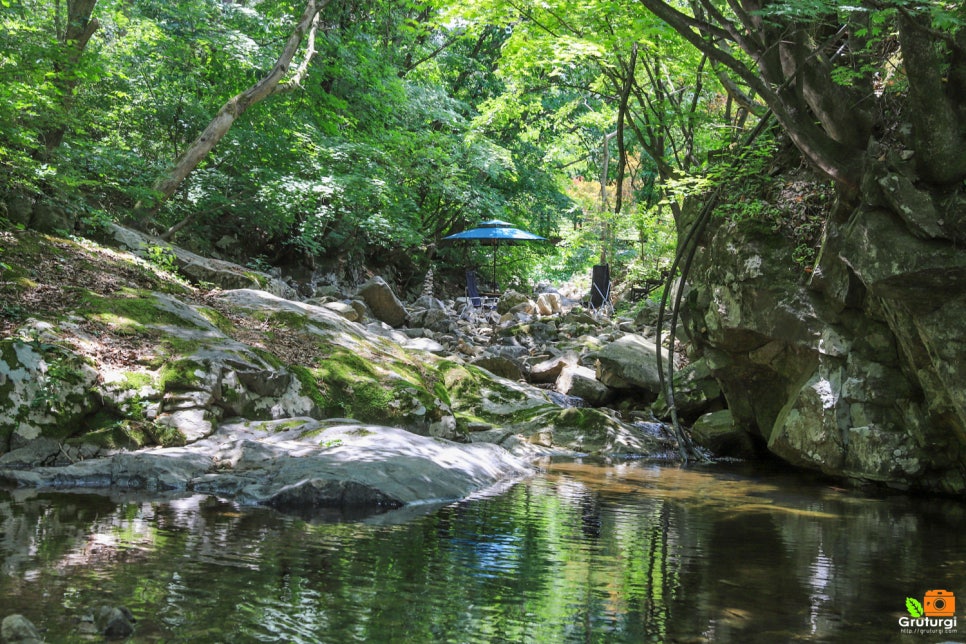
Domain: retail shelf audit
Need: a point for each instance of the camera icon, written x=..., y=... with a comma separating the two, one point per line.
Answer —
x=939, y=603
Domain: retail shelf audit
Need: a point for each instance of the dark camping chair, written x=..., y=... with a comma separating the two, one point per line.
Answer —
x=476, y=302
x=600, y=290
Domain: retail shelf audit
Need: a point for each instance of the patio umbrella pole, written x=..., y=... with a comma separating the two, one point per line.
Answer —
x=495, y=286
x=495, y=232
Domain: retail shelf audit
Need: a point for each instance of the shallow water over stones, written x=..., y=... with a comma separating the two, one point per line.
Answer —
x=626, y=552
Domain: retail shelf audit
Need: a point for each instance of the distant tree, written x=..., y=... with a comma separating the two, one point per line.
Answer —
x=42, y=62
x=74, y=31
x=280, y=79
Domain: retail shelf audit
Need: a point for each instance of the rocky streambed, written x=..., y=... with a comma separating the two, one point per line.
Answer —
x=116, y=374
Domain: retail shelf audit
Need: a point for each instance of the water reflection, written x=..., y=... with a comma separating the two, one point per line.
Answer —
x=581, y=553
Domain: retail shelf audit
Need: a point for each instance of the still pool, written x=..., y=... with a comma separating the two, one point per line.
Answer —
x=581, y=552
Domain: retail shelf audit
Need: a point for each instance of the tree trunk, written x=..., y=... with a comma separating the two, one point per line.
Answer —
x=76, y=34
x=779, y=80
x=237, y=105
x=940, y=149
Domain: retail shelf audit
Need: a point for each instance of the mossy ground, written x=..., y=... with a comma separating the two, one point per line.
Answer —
x=47, y=276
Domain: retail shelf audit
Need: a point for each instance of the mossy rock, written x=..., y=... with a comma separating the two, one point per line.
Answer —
x=106, y=431
x=478, y=398
x=133, y=312
x=593, y=431
x=182, y=374
x=47, y=390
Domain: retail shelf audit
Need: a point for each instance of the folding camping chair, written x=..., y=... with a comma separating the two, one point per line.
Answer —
x=600, y=290
x=475, y=301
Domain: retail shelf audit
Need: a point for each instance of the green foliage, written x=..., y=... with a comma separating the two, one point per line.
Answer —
x=416, y=119
x=162, y=257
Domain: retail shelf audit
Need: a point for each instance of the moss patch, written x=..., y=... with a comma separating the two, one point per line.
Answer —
x=130, y=312
x=354, y=385
x=219, y=320
x=180, y=375
x=289, y=319
x=108, y=432
x=311, y=388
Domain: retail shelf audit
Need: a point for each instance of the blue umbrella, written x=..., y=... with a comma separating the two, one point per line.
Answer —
x=493, y=233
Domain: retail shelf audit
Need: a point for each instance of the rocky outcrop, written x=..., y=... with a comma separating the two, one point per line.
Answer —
x=854, y=366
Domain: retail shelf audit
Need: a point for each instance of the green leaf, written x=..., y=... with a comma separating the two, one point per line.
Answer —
x=914, y=607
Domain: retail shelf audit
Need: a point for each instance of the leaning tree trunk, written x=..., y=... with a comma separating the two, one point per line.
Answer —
x=237, y=105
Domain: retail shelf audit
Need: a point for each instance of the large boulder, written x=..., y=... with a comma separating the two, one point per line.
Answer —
x=383, y=303
x=500, y=365
x=514, y=301
x=299, y=464
x=629, y=363
x=45, y=387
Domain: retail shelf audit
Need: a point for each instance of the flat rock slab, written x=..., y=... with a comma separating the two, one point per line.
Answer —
x=297, y=464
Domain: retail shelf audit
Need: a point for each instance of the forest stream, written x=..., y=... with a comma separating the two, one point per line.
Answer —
x=482, y=322
x=581, y=552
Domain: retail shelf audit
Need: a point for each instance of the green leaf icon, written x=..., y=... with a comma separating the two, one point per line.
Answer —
x=914, y=607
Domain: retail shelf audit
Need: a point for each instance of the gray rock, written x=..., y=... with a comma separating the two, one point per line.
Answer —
x=629, y=362
x=500, y=365
x=582, y=382
x=17, y=629
x=328, y=290
x=297, y=462
x=855, y=368
x=695, y=391
x=345, y=310
x=46, y=385
x=114, y=622
x=549, y=370
x=425, y=344
x=383, y=303
x=511, y=299
x=429, y=303
x=201, y=269
x=647, y=315
x=716, y=431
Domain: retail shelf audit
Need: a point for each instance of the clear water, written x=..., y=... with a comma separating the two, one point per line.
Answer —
x=631, y=552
